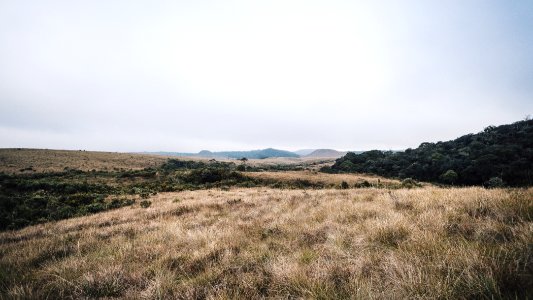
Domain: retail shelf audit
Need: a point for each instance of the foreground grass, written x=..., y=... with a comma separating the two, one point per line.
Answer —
x=253, y=243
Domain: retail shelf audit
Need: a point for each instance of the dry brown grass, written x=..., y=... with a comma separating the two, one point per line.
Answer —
x=321, y=178
x=312, y=163
x=41, y=160
x=266, y=243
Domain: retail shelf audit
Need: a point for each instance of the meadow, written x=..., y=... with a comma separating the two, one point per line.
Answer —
x=315, y=240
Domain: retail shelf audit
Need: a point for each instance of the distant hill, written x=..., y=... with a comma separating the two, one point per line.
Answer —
x=253, y=154
x=330, y=153
x=497, y=156
x=304, y=152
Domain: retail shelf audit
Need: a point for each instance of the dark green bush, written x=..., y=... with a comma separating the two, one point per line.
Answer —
x=145, y=204
x=494, y=182
x=409, y=183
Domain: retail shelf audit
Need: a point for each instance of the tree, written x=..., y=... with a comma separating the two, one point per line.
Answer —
x=449, y=177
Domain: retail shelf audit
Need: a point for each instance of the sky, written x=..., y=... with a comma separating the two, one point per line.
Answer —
x=184, y=76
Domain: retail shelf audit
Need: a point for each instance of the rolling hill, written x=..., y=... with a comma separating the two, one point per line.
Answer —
x=330, y=153
x=304, y=152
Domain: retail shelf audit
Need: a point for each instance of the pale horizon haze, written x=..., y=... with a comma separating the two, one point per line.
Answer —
x=184, y=76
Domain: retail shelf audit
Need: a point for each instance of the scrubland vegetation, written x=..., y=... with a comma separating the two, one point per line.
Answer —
x=32, y=198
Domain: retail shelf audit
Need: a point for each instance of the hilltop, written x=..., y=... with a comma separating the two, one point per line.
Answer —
x=330, y=153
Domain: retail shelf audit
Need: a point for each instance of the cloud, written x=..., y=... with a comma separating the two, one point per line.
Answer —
x=183, y=76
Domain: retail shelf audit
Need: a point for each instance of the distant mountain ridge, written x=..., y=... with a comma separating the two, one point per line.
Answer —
x=253, y=154
x=259, y=154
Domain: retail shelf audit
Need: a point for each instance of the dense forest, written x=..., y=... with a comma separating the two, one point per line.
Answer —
x=497, y=156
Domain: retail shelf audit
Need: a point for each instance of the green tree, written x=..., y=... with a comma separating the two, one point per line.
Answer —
x=449, y=177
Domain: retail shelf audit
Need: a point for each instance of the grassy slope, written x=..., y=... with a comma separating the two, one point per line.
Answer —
x=250, y=243
x=41, y=160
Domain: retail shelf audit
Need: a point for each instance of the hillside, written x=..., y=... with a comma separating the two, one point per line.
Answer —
x=45, y=160
x=329, y=153
x=496, y=156
x=304, y=152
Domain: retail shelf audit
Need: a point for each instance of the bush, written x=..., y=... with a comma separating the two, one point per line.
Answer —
x=410, y=183
x=212, y=175
x=363, y=184
x=145, y=203
x=494, y=182
x=344, y=185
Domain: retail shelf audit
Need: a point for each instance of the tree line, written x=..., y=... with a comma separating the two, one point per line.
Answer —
x=497, y=156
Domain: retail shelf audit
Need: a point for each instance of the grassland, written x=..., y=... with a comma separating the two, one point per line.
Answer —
x=220, y=239
x=252, y=243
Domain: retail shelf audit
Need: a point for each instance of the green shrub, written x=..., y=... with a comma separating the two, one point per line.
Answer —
x=494, y=182
x=363, y=184
x=409, y=183
x=145, y=204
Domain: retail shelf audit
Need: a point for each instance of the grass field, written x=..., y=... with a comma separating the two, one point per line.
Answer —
x=252, y=243
x=264, y=242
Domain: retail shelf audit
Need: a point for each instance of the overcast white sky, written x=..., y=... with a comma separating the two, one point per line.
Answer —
x=232, y=75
